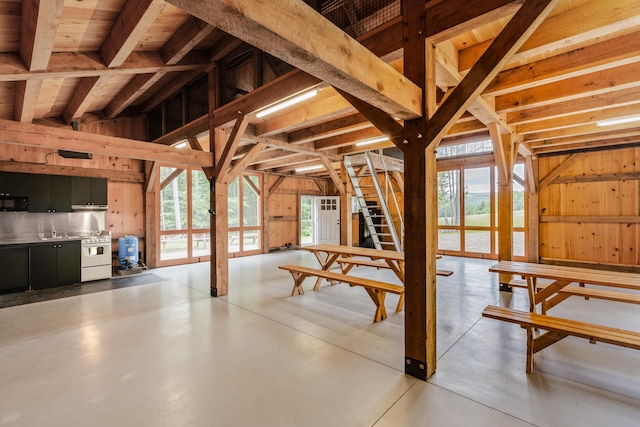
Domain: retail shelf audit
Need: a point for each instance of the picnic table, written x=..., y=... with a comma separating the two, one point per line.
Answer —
x=559, y=288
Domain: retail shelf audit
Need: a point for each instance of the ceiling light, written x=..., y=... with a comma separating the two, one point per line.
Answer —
x=287, y=103
x=619, y=121
x=309, y=168
x=372, y=141
x=182, y=144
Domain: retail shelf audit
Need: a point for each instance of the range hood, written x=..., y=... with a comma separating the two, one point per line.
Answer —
x=85, y=208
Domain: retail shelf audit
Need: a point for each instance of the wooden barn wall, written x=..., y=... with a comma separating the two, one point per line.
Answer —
x=590, y=213
x=283, y=208
x=126, y=198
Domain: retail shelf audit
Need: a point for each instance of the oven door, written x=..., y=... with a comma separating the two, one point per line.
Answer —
x=94, y=254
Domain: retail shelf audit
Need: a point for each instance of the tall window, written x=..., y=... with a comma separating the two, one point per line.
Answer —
x=245, y=215
x=468, y=211
x=184, y=218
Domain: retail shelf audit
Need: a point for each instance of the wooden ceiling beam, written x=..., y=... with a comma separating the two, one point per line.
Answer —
x=131, y=92
x=350, y=66
x=563, y=147
x=167, y=86
x=579, y=119
x=26, y=99
x=246, y=160
x=306, y=148
x=626, y=76
x=81, y=99
x=381, y=120
x=581, y=131
x=76, y=65
x=184, y=40
x=63, y=139
x=307, y=114
x=222, y=165
x=480, y=108
x=133, y=22
x=38, y=26
x=188, y=36
x=511, y=38
x=448, y=19
x=335, y=176
x=193, y=128
x=330, y=128
x=590, y=102
x=607, y=54
x=282, y=87
x=295, y=161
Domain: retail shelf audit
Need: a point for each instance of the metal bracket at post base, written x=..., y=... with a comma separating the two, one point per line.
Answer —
x=214, y=292
x=504, y=287
x=415, y=368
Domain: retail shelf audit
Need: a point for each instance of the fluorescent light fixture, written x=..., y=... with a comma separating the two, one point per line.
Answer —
x=371, y=141
x=309, y=168
x=182, y=144
x=287, y=103
x=619, y=121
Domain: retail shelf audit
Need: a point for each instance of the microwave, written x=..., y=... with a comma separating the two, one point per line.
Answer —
x=14, y=203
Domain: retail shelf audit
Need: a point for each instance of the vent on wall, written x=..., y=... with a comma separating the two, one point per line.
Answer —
x=74, y=155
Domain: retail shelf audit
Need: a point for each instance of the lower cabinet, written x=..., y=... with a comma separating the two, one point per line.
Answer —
x=54, y=264
x=14, y=265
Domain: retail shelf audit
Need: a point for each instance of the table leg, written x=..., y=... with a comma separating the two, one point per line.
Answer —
x=378, y=298
x=298, y=278
x=326, y=264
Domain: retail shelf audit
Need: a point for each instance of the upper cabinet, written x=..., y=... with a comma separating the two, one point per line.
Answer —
x=14, y=184
x=54, y=193
x=49, y=193
x=88, y=191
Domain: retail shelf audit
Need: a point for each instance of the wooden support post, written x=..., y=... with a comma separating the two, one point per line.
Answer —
x=346, y=227
x=152, y=225
x=265, y=213
x=503, y=150
x=218, y=203
x=533, y=211
x=420, y=208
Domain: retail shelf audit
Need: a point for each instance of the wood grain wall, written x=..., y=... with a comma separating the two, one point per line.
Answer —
x=590, y=212
x=283, y=224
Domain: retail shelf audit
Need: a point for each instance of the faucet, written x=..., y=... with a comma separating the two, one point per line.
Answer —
x=53, y=233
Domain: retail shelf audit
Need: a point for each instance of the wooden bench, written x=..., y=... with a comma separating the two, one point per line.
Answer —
x=377, y=290
x=558, y=329
x=580, y=291
x=346, y=264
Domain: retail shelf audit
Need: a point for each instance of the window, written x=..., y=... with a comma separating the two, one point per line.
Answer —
x=245, y=215
x=184, y=216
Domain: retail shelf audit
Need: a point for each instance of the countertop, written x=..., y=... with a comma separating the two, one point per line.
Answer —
x=31, y=240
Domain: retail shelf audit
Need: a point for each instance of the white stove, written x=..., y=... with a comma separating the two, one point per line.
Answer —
x=96, y=258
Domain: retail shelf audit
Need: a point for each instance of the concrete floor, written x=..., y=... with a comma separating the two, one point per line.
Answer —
x=161, y=352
